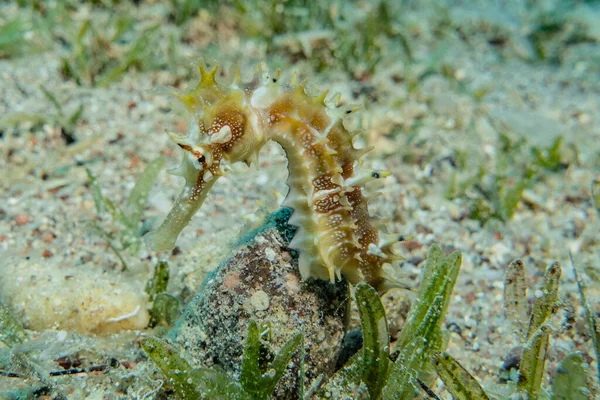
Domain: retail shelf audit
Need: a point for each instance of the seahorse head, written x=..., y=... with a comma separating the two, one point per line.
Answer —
x=221, y=132
x=219, y=127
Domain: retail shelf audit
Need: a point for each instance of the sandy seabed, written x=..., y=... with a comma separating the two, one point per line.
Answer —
x=69, y=290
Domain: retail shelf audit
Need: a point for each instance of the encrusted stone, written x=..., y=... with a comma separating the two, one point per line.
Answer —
x=251, y=284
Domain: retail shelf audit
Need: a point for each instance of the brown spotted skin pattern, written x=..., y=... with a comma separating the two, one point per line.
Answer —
x=231, y=122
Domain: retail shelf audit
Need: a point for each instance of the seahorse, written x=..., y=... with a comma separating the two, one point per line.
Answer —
x=232, y=121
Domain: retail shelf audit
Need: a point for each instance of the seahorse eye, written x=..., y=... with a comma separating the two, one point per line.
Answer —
x=201, y=159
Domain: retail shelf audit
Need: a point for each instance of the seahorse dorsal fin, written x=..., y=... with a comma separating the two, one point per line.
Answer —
x=207, y=77
x=236, y=75
x=294, y=80
x=321, y=97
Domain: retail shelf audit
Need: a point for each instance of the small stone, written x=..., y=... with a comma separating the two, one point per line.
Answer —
x=260, y=301
x=48, y=237
x=21, y=219
x=270, y=253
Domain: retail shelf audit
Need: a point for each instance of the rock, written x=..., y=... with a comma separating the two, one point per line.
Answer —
x=261, y=281
x=50, y=295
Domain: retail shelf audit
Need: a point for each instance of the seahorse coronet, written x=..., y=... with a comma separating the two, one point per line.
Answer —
x=230, y=122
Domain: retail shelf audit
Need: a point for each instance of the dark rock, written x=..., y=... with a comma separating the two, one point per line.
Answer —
x=260, y=280
x=352, y=343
